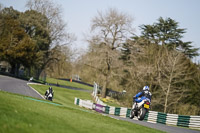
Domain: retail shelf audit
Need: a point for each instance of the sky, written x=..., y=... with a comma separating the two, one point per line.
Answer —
x=79, y=13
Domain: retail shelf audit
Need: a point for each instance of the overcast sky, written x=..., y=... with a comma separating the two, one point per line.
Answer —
x=78, y=14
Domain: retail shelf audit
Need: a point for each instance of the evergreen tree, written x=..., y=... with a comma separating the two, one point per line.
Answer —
x=167, y=32
x=35, y=25
x=125, y=51
x=16, y=46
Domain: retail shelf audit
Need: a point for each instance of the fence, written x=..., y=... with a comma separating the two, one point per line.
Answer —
x=151, y=116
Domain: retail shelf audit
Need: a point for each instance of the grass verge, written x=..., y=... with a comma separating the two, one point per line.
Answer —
x=62, y=95
x=67, y=83
x=21, y=115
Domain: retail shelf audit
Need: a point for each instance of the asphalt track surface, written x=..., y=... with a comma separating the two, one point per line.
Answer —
x=162, y=127
x=18, y=86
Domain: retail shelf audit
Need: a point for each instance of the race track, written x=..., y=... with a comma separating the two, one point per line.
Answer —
x=162, y=127
x=18, y=86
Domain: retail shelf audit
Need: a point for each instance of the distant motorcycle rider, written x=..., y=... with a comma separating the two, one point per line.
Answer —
x=49, y=94
x=144, y=94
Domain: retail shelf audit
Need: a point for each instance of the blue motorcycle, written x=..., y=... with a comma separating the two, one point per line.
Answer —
x=140, y=109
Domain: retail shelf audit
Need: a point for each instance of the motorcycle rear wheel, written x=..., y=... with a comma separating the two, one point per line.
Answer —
x=141, y=114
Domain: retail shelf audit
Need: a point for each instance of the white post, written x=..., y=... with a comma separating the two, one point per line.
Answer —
x=95, y=90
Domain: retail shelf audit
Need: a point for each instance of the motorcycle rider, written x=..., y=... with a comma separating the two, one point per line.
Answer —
x=139, y=97
x=49, y=94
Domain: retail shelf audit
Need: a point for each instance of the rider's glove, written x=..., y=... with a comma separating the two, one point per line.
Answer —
x=134, y=99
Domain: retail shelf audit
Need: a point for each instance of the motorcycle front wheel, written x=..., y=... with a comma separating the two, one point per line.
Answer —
x=131, y=114
x=141, y=114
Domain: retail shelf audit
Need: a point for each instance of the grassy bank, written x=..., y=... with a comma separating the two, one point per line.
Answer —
x=19, y=115
x=63, y=95
x=67, y=83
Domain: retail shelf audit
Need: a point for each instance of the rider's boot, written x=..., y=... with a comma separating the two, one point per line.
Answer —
x=134, y=108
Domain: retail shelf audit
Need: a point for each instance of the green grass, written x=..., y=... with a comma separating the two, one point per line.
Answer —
x=67, y=83
x=65, y=96
x=20, y=115
x=62, y=95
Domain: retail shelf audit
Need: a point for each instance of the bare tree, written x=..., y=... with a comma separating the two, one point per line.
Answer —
x=56, y=26
x=110, y=29
x=59, y=35
x=1, y=6
x=61, y=67
x=138, y=69
x=173, y=71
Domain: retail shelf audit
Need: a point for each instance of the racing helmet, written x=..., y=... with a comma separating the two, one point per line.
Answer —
x=50, y=90
x=146, y=88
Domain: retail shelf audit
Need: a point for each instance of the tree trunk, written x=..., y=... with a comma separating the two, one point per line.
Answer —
x=108, y=62
x=13, y=69
x=169, y=86
x=29, y=72
x=166, y=100
x=17, y=70
x=104, y=89
x=39, y=71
